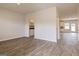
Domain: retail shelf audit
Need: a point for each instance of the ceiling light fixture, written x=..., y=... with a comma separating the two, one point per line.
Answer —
x=18, y=3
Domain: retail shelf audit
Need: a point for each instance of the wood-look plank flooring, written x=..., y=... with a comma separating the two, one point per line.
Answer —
x=35, y=47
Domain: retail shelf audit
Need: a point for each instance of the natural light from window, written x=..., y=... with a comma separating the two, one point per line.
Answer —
x=66, y=25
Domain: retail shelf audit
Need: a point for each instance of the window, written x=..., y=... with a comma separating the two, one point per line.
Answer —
x=66, y=26
x=73, y=27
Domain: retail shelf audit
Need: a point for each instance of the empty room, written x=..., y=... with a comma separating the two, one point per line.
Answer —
x=39, y=29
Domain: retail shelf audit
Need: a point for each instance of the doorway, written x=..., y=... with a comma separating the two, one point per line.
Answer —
x=68, y=31
x=31, y=28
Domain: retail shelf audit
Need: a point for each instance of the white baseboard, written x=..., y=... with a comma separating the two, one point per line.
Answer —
x=24, y=36
x=47, y=40
x=11, y=38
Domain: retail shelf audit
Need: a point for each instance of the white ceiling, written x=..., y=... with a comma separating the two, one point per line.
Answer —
x=63, y=9
x=26, y=7
x=66, y=11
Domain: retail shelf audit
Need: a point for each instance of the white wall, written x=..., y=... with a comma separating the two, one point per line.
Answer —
x=58, y=24
x=45, y=24
x=11, y=25
x=78, y=24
